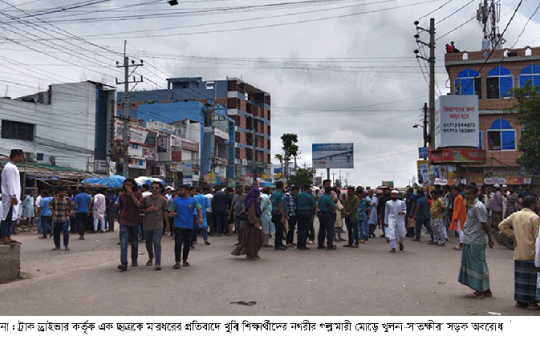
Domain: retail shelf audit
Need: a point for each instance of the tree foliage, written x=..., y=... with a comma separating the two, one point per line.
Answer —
x=302, y=177
x=290, y=149
x=527, y=112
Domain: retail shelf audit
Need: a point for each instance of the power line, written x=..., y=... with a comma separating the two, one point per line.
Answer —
x=525, y=26
x=498, y=41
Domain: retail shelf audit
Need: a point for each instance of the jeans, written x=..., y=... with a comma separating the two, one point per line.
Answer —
x=81, y=222
x=280, y=228
x=352, y=230
x=39, y=223
x=128, y=233
x=290, y=233
x=326, y=229
x=5, y=226
x=61, y=227
x=222, y=224
x=424, y=222
x=182, y=237
x=363, y=230
x=304, y=222
x=153, y=242
x=46, y=225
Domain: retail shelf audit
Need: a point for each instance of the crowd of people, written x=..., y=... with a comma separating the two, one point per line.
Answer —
x=255, y=216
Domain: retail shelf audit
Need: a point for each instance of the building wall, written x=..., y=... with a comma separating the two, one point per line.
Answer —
x=491, y=109
x=64, y=129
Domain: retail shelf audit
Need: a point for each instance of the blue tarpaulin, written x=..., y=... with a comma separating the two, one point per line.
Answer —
x=113, y=181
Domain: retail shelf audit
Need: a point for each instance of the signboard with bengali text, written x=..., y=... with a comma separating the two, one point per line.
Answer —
x=456, y=122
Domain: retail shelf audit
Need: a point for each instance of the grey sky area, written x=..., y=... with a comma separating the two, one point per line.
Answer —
x=339, y=71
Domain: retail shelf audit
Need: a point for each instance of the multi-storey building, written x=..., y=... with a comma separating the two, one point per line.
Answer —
x=492, y=80
x=66, y=125
x=250, y=107
x=249, y=153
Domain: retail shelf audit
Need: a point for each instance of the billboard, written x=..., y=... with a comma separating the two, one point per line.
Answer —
x=333, y=156
x=422, y=171
x=456, y=122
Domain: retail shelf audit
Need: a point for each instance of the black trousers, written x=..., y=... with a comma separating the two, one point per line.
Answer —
x=423, y=222
x=292, y=225
x=182, y=237
x=326, y=228
x=280, y=228
x=110, y=219
x=81, y=220
x=304, y=222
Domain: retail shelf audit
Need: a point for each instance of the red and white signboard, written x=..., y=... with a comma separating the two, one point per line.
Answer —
x=456, y=122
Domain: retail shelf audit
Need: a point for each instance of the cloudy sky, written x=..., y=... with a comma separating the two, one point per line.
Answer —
x=339, y=71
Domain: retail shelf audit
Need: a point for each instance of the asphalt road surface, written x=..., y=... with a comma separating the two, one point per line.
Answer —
x=422, y=280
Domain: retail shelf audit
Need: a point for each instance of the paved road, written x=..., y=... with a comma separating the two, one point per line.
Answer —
x=422, y=280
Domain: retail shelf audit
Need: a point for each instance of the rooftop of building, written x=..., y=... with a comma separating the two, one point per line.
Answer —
x=505, y=55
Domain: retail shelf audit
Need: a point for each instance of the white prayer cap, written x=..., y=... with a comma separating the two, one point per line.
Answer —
x=497, y=186
x=395, y=192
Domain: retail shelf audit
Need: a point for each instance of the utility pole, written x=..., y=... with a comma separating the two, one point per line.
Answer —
x=432, y=84
x=425, y=124
x=126, y=117
x=431, y=61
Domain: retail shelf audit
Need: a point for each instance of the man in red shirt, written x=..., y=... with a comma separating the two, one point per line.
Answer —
x=130, y=218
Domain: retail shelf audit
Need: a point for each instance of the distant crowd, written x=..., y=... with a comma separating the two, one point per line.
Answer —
x=479, y=216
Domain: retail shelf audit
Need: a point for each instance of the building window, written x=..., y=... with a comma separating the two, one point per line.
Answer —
x=530, y=74
x=499, y=82
x=468, y=82
x=17, y=130
x=501, y=136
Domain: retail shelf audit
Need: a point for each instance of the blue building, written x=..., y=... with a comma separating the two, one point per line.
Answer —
x=249, y=148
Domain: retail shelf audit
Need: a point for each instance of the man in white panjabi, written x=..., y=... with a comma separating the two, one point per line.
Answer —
x=394, y=221
x=99, y=207
x=11, y=196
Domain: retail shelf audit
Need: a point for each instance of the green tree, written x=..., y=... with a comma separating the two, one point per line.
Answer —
x=302, y=177
x=527, y=112
x=279, y=157
x=290, y=150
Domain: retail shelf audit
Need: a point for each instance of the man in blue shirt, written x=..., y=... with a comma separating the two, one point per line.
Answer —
x=204, y=203
x=83, y=201
x=326, y=220
x=111, y=210
x=183, y=208
x=278, y=216
x=46, y=214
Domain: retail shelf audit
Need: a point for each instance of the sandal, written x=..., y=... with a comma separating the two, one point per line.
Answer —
x=475, y=296
x=149, y=262
x=533, y=306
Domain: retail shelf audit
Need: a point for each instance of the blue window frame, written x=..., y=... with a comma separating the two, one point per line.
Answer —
x=480, y=142
x=468, y=82
x=530, y=74
x=499, y=82
x=501, y=136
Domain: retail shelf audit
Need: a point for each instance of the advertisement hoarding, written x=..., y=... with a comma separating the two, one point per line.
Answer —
x=458, y=156
x=422, y=171
x=456, y=121
x=333, y=156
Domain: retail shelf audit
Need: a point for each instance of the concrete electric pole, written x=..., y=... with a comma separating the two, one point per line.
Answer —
x=126, y=117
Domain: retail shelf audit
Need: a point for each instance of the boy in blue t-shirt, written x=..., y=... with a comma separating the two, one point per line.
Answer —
x=183, y=208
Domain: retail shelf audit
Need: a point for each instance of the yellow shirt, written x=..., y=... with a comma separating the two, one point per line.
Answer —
x=525, y=223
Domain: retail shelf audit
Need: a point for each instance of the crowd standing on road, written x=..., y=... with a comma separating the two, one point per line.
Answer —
x=479, y=217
